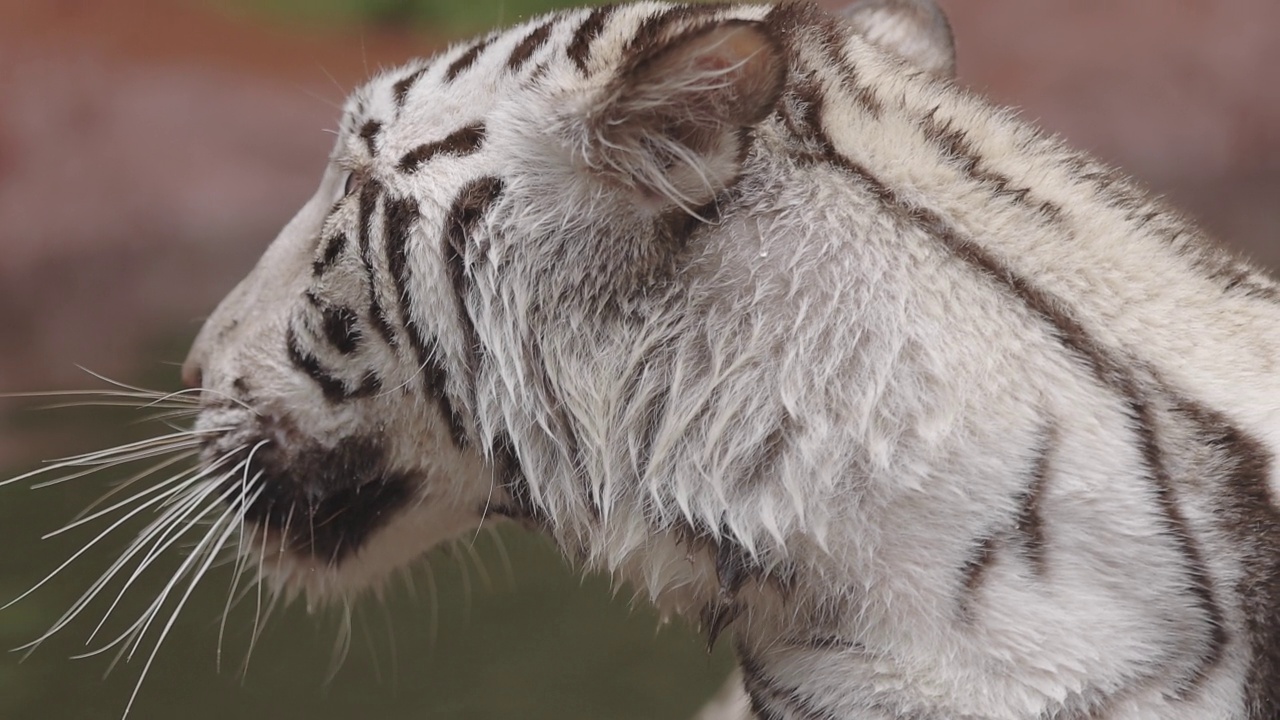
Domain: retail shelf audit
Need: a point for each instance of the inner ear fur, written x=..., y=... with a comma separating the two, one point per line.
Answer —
x=671, y=125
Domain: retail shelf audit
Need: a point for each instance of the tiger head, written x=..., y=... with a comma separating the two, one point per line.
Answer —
x=385, y=378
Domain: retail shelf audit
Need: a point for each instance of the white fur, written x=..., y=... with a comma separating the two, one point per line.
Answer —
x=913, y=391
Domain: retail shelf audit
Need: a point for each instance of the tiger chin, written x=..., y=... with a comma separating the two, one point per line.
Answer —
x=754, y=308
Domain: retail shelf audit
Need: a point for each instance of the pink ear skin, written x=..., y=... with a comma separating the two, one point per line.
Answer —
x=671, y=125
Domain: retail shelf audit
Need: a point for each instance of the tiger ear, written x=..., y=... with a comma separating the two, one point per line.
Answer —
x=671, y=125
x=915, y=30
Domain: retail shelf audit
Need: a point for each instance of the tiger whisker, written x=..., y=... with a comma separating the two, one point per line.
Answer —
x=99, y=466
x=84, y=548
x=195, y=580
x=128, y=482
x=132, y=636
x=162, y=535
x=134, y=548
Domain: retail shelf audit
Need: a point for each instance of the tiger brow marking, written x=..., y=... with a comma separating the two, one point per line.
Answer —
x=467, y=59
x=369, y=133
x=529, y=45
x=400, y=90
x=400, y=217
x=467, y=211
x=332, y=248
x=369, y=194
x=458, y=143
x=579, y=50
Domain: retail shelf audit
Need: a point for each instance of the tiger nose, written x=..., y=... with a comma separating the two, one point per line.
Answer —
x=192, y=373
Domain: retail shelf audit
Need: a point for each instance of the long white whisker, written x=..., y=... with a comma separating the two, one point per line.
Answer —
x=240, y=555
x=175, y=526
x=85, y=548
x=184, y=448
x=108, y=510
x=134, y=548
x=231, y=527
x=110, y=456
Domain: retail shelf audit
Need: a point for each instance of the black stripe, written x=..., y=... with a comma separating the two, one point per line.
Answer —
x=1108, y=370
x=369, y=133
x=651, y=32
x=974, y=573
x=1247, y=511
x=467, y=59
x=331, y=386
x=401, y=89
x=579, y=50
x=770, y=699
x=460, y=142
x=955, y=145
x=370, y=192
x=401, y=215
x=1177, y=527
x=340, y=328
x=1029, y=524
x=465, y=214
x=796, y=24
x=332, y=248
x=529, y=45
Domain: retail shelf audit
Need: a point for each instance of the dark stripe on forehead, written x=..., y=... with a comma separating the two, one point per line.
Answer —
x=370, y=192
x=466, y=213
x=401, y=215
x=332, y=248
x=369, y=133
x=459, y=143
x=579, y=50
x=466, y=60
x=529, y=45
x=401, y=89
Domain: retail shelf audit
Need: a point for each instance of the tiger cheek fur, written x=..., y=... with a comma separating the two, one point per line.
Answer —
x=751, y=306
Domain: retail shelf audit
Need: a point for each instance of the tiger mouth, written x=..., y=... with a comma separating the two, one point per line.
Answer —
x=323, y=502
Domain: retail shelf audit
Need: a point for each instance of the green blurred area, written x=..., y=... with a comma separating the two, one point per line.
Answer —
x=495, y=628
x=432, y=15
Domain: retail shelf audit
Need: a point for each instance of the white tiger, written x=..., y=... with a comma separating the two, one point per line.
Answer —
x=754, y=308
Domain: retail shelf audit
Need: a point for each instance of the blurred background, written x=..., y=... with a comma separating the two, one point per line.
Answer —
x=150, y=149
